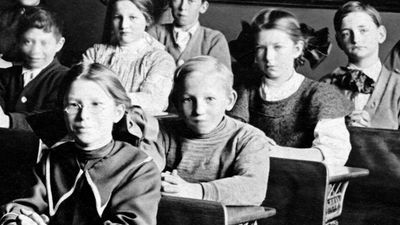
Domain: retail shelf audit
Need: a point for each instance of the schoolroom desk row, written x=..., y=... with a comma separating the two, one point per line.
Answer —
x=311, y=201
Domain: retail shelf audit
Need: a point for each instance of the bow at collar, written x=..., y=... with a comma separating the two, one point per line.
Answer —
x=354, y=80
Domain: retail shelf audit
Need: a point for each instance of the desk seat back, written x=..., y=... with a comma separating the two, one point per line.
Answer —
x=297, y=190
x=379, y=151
x=18, y=155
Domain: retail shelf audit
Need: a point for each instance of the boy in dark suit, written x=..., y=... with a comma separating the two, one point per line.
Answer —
x=33, y=86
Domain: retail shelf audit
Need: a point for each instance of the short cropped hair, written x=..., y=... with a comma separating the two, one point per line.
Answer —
x=205, y=65
x=99, y=74
x=355, y=6
x=40, y=18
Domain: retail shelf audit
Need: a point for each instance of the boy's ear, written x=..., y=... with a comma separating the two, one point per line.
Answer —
x=119, y=112
x=382, y=34
x=204, y=7
x=231, y=100
x=60, y=43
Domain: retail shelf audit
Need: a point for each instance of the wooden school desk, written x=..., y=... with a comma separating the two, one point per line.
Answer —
x=307, y=192
x=185, y=211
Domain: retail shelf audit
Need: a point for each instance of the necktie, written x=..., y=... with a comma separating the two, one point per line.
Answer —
x=182, y=38
x=355, y=81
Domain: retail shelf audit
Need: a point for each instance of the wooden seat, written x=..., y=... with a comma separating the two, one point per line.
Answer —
x=375, y=199
x=18, y=155
x=297, y=189
x=176, y=211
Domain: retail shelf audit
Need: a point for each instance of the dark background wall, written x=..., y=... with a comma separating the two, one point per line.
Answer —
x=84, y=20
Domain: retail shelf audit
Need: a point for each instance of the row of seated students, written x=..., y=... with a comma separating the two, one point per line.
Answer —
x=204, y=154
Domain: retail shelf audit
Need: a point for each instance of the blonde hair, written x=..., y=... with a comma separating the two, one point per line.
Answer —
x=102, y=76
x=204, y=65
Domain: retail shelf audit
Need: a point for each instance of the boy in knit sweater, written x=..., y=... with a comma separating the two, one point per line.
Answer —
x=206, y=154
x=186, y=38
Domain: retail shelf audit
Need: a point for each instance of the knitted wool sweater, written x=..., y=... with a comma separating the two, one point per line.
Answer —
x=291, y=121
x=231, y=162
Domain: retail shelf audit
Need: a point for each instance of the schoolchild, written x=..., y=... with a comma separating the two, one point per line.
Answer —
x=34, y=86
x=304, y=117
x=94, y=179
x=186, y=38
x=143, y=66
x=372, y=88
x=205, y=154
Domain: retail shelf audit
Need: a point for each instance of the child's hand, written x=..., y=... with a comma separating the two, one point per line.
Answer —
x=360, y=118
x=4, y=119
x=173, y=185
x=4, y=63
x=31, y=218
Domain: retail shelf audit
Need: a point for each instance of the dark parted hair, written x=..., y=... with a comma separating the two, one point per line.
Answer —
x=98, y=74
x=285, y=21
x=355, y=6
x=40, y=18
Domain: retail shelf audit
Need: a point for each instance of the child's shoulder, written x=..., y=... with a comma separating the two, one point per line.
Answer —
x=210, y=33
x=160, y=28
x=243, y=130
x=125, y=152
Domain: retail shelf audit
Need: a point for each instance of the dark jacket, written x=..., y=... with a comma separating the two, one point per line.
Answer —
x=39, y=95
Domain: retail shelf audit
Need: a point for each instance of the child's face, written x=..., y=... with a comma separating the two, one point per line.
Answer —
x=275, y=53
x=203, y=101
x=29, y=2
x=129, y=23
x=39, y=47
x=360, y=37
x=186, y=12
x=91, y=125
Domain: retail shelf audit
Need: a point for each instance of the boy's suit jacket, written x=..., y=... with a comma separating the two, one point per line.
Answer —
x=384, y=104
x=38, y=95
x=205, y=41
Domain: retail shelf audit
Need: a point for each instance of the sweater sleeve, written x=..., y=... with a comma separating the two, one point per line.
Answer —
x=248, y=185
x=154, y=91
x=35, y=200
x=328, y=103
x=136, y=200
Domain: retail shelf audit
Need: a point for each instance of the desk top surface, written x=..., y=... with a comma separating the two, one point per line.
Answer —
x=177, y=210
x=342, y=173
x=243, y=214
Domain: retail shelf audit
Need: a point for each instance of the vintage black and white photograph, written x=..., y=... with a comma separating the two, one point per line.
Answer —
x=199, y=112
